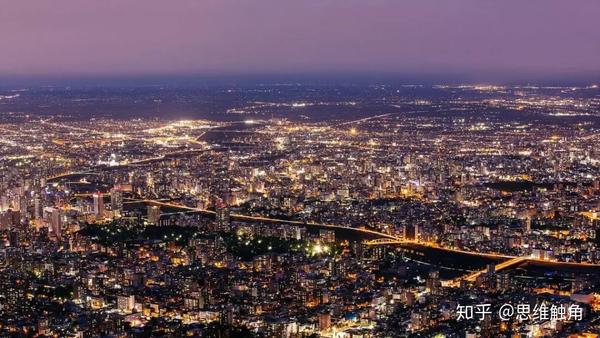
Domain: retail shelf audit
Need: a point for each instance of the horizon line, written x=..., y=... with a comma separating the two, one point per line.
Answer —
x=450, y=77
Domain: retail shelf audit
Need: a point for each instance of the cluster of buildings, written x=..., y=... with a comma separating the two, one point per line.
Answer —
x=203, y=228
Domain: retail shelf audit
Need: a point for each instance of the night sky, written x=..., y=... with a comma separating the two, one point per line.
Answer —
x=63, y=37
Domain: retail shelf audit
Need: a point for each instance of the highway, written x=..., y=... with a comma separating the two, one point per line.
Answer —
x=366, y=119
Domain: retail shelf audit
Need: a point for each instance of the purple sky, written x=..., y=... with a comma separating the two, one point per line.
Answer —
x=295, y=36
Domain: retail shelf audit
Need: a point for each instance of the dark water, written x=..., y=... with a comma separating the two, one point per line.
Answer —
x=513, y=186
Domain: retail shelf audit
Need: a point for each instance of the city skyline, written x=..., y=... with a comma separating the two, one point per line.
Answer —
x=294, y=210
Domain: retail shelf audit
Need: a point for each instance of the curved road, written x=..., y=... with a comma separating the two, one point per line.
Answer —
x=389, y=239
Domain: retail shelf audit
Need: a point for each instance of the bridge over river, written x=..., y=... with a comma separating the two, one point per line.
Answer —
x=470, y=262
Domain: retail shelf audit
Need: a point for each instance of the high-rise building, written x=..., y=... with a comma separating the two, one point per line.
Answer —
x=527, y=225
x=4, y=203
x=53, y=220
x=37, y=207
x=324, y=321
x=410, y=232
x=153, y=214
x=223, y=218
x=126, y=303
x=116, y=202
x=98, y=205
x=433, y=283
x=13, y=238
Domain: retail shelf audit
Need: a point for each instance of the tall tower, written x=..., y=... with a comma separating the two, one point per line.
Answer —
x=98, y=205
x=223, y=218
x=527, y=224
x=37, y=207
x=53, y=220
x=153, y=214
x=116, y=202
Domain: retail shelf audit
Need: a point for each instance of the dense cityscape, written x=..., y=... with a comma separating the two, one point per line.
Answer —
x=300, y=210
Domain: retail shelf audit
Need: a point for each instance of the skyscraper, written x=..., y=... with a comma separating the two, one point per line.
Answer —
x=153, y=214
x=37, y=207
x=98, y=205
x=223, y=218
x=53, y=220
x=116, y=202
